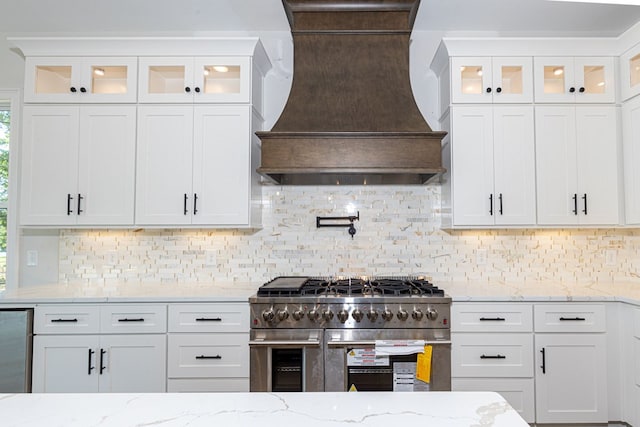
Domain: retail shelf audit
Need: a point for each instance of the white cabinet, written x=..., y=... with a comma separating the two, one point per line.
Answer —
x=493, y=165
x=76, y=349
x=574, y=79
x=196, y=165
x=577, y=160
x=630, y=72
x=80, y=79
x=195, y=79
x=571, y=375
x=491, y=80
x=631, y=150
x=78, y=165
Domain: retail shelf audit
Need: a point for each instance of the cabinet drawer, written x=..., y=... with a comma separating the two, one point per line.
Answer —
x=491, y=318
x=570, y=318
x=66, y=319
x=636, y=367
x=491, y=355
x=208, y=355
x=517, y=391
x=636, y=322
x=208, y=385
x=127, y=319
x=221, y=317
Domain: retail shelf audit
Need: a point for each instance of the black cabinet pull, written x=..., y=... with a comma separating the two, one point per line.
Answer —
x=209, y=319
x=575, y=319
x=195, y=203
x=89, y=367
x=488, y=90
x=83, y=90
x=69, y=199
x=497, y=356
x=581, y=90
x=185, y=203
x=80, y=198
x=575, y=204
x=544, y=361
x=498, y=89
x=64, y=320
x=208, y=357
x=73, y=89
x=492, y=319
x=102, y=353
x=572, y=89
x=197, y=89
x=584, y=199
x=187, y=89
x=491, y=204
x=126, y=319
x=500, y=199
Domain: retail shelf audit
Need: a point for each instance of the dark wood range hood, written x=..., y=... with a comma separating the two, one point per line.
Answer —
x=351, y=117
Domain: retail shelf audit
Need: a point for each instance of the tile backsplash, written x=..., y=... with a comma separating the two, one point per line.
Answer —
x=398, y=234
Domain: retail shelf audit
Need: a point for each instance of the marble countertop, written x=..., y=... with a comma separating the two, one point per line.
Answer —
x=443, y=409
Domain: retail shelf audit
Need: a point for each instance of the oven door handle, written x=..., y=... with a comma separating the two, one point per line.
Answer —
x=373, y=343
x=265, y=343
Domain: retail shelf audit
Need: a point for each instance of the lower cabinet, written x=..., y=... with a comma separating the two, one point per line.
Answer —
x=99, y=363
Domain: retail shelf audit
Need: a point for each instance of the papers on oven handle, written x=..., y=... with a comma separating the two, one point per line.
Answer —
x=399, y=347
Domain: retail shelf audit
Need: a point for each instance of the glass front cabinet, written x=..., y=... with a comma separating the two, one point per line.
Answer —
x=80, y=79
x=491, y=80
x=630, y=73
x=574, y=79
x=199, y=79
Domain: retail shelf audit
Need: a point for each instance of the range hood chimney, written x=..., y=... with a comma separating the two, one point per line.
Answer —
x=351, y=117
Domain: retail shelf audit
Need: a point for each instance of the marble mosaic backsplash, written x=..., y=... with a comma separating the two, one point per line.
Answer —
x=398, y=234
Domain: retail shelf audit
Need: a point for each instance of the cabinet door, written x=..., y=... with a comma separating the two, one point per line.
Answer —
x=164, y=161
x=554, y=79
x=514, y=163
x=470, y=79
x=556, y=167
x=166, y=79
x=631, y=149
x=572, y=388
x=512, y=79
x=593, y=79
x=133, y=363
x=49, y=165
x=52, y=79
x=630, y=73
x=106, y=165
x=109, y=79
x=597, y=157
x=65, y=364
x=222, y=79
x=472, y=165
x=221, y=167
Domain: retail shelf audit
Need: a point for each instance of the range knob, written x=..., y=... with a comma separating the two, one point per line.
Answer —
x=313, y=314
x=282, y=314
x=402, y=314
x=327, y=314
x=372, y=315
x=298, y=314
x=357, y=314
x=387, y=314
x=343, y=315
x=268, y=315
x=432, y=314
x=417, y=314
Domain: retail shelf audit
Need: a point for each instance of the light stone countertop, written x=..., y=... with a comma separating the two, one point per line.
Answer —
x=384, y=409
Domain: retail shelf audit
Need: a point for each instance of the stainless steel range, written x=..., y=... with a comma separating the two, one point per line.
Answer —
x=336, y=334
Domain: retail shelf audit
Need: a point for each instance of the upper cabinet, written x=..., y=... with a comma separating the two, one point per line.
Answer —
x=195, y=79
x=630, y=73
x=574, y=79
x=491, y=80
x=80, y=79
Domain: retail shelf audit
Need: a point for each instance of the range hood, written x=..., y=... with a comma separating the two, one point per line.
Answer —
x=351, y=117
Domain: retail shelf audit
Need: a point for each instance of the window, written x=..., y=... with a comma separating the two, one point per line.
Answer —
x=9, y=116
x=5, y=129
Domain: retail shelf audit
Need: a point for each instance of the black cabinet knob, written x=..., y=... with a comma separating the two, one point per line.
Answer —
x=83, y=90
x=187, y=89
x=581, y=90
x=488, y=90
x=73, y=89
x=572, y=89
x=499, y=89
x=197, y=89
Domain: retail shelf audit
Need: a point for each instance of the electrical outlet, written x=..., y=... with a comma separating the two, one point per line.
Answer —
x=610, y=257
x=210, y=258
x=481, y=256
x=32, y=258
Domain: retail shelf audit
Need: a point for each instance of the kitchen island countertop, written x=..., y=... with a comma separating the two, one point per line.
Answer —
x=444, y=409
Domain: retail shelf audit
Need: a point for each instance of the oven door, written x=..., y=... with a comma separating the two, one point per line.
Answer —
x=284, y=360
x=349, y=366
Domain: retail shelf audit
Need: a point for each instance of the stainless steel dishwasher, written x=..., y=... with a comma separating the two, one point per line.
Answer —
x=16, y=343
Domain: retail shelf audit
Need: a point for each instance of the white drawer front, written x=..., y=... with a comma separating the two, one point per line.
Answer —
x=208, y=385
x=223, y=317
x=66, y=319
x=519, y=392
x=636, y=352
x=570, y=318
x=471, y=317
x=127, y=319
x=491, y=355
x=208, y=355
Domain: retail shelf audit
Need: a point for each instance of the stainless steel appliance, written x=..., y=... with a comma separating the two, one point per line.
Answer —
x=16, y=340
x=327, y=334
